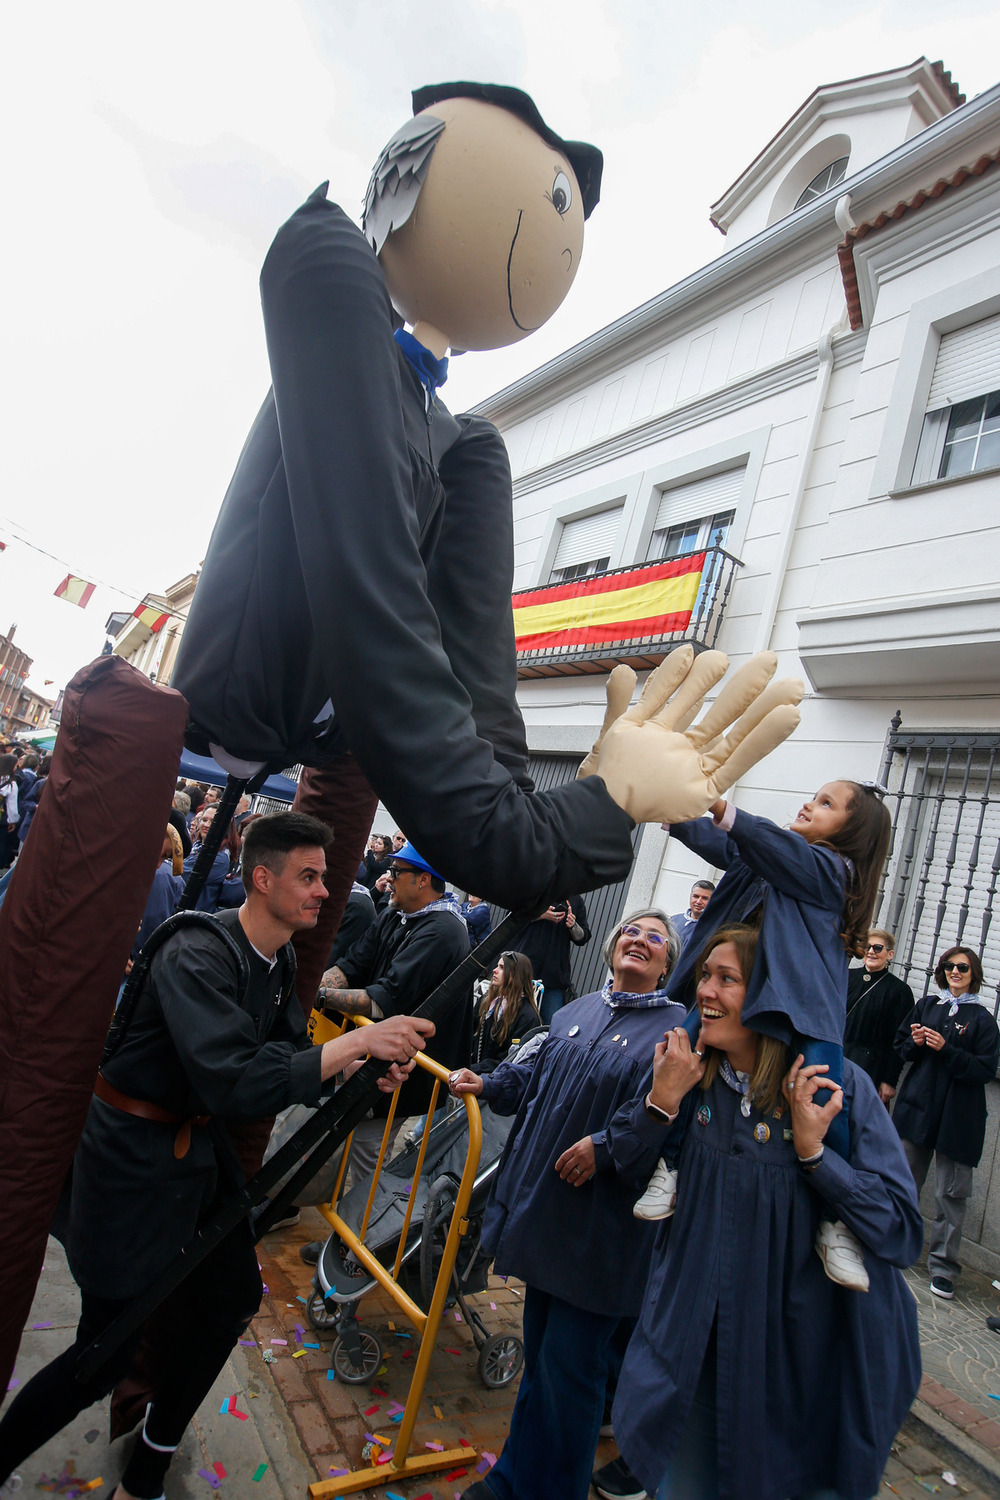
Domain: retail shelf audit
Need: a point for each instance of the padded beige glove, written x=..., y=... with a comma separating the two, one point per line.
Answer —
x=660, y=774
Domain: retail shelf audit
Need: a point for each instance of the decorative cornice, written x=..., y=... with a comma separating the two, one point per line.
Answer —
x=767, y=382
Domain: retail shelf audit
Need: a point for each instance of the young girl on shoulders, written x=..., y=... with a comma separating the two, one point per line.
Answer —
x=811, y=890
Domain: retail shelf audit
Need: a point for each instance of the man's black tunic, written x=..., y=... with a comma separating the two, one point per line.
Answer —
x=193, y=1047
x=363, y=558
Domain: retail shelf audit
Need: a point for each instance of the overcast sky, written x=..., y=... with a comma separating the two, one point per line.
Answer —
x=152, y=152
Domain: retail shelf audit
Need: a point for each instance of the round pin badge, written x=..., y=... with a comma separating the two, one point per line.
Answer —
x=704, y=1115
x=762, y=1133
x=573, y=1030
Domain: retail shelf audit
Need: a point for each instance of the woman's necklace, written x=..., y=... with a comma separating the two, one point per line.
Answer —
x=739, y=1082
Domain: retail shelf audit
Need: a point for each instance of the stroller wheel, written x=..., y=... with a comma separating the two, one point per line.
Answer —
x=322, y=1315
x=369, y=1357
x=500, y=1359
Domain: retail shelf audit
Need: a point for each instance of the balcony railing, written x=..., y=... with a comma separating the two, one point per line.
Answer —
x=710, y=571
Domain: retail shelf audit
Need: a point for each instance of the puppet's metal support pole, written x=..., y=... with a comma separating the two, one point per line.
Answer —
x=227, y=805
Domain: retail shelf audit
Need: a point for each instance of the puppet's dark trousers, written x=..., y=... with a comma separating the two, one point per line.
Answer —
x=209, y=1310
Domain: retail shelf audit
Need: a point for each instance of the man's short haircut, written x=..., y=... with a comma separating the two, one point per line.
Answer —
x=31, y=761
x=703, y=885
x=437, y=884
x=269, y=841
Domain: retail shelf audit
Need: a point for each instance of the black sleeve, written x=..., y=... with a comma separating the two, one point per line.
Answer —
x=233, y=1075
x=899, y=1011
x=358, y=962
x=973, y=1057
x=904, y=1046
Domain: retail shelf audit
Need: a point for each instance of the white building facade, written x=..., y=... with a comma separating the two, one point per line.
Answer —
x=813, y=421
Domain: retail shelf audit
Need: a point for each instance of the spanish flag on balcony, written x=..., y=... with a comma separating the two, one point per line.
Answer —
x=654, y=600
x=75, y=590
x=151, y=617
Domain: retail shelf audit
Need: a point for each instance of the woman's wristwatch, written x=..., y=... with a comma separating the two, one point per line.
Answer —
x=656, y=1113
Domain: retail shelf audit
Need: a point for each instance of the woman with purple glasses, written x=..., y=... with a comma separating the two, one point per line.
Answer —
x=561, y=1212
x=954, y=1045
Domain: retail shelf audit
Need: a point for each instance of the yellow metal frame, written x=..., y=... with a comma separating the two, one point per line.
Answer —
x=404, y=1464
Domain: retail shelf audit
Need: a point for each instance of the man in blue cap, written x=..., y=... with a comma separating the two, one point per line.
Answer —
x=392, y=968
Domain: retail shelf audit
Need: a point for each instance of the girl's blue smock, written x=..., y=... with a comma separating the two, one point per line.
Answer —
x=583, y=1244
x=799, y=979
x=813, y=1380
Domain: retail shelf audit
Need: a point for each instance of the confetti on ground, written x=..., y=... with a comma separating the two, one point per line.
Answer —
x=220, y=1469
x=393, y=1495
x=456, y=1474
x=992, y=1397
x=252, y=1343
x=452, y=1351
x=403, y=1335
x=266, y=1289
x=378, y=1391
x=332, y=1375
x=384, y=1458
x=213, y=1479
x=269, y=1357
x=458, y=1317
x=370, y=1411
x=309, y=1346
x=437, y=1412
x=493, y=1306
x=407, y=1353
x=282, y=1342
x=336, y=1473
x=258, y=1473
x=486, y=1463
x=397, y=1418
x=435, y=1447
x=300, y=1299
x=300, y=1332
x=391, y=1326
x=393, y=1407
x=465, y=1442
x=298, y=1353
x=12, y=1382
x=949, y=1477
x=41, y=1325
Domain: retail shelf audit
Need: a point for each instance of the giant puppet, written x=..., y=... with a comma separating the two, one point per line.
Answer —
x=353, y=612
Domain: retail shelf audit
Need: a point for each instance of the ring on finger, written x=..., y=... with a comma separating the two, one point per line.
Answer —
x=698, y=1054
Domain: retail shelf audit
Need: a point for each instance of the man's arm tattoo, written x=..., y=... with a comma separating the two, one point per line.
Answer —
x=351, y=1002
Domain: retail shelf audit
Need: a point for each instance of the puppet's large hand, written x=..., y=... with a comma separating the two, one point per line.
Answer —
x=658, y=772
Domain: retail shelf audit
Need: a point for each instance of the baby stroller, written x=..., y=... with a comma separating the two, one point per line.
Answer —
x=340, y=1283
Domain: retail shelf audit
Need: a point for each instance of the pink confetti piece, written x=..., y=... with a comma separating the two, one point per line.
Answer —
x=493, y=1306
x=282, y=1342
x=458, y=1317
x=384, y=1458
x=12, y=1382
x=435, y=1447
x=265, y=1289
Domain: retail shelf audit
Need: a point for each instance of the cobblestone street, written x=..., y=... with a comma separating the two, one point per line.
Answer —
x=299, y=1424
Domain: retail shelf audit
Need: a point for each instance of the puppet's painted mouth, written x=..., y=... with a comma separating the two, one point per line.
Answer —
x=524, y=327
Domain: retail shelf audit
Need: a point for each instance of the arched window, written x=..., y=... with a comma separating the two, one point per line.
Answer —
x=823, y=181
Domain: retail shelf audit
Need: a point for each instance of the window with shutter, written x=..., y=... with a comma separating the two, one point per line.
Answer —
x=692, y=516
x=585, y=545
x=961, y=431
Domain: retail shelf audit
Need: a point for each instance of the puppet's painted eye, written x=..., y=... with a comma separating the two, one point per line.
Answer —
x=562, y=193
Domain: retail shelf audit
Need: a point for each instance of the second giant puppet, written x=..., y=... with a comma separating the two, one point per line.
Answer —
x=353, y=612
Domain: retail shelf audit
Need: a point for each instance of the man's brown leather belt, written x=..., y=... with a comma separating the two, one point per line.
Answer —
x=147, y=1111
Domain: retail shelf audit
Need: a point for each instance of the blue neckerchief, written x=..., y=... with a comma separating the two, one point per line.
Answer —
x=945, y=997
x=624, y=999
x=432, y=372
x=447, y=902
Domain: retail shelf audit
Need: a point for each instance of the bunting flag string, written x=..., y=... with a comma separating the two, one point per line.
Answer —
x=75, y=590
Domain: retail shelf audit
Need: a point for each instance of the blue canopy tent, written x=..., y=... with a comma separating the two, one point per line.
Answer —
x=203, y=768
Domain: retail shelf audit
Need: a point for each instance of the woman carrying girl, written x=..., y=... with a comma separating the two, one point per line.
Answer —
x=750, y=1374
x=811, y=891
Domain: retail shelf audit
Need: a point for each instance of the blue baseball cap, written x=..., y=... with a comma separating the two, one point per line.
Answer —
x=409, y=856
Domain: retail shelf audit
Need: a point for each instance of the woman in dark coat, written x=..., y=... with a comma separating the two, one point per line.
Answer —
x=378, y=858
x=877, y=1003
x=561, y=1214
x=953, y=1043
x=506, y=1011
x=751, y=1375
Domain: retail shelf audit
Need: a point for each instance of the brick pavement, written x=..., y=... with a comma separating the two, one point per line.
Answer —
x=961, y=1360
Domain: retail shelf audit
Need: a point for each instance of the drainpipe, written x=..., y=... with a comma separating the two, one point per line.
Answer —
x=765, y=626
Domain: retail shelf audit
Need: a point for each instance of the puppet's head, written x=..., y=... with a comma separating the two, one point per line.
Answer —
x=475, y=210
